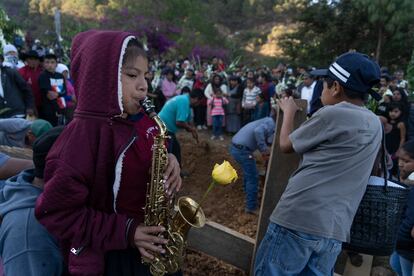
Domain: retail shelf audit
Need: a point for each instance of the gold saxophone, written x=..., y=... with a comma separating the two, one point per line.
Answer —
x=159, y=210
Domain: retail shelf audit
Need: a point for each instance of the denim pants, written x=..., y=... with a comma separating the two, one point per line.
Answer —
x=250, y=176
x=284, y=252
x=401, y=265
x=217, y=125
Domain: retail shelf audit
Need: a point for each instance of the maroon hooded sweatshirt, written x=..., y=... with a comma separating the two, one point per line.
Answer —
x=85, y=166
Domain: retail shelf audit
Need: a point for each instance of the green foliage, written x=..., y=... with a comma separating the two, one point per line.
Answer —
x=329, y=28
x=387, y=17
x=410, y=74
x=7, y=27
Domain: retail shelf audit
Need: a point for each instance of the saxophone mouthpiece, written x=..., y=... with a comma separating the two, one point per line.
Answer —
x=148, y=107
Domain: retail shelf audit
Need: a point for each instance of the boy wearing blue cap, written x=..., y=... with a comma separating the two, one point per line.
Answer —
x=338, y=146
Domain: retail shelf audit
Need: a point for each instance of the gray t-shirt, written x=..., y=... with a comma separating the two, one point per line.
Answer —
x=338, y=146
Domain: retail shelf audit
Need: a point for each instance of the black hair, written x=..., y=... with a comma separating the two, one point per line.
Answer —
x=41, y=148
x=266, y=76
x=408, y=147
x=133, y=50
x=288, y=91
x=185, y=89
x=404, y=98
x=51, y=56
x=386, y=77
x=349, y=93
x=169, y=71
x=396, y=105
x=212, y=80
x=252, y=80
x=235, y=78
x=196, y=94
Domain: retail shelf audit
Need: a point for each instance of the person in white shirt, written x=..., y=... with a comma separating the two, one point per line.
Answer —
x=11, y=57
x=216, y=82
x=306, y=92
x=249, y=100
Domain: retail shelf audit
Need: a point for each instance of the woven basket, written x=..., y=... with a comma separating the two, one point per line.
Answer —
x=376, y=223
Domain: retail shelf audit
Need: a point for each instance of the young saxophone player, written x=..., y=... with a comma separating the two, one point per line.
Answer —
x=97, y=172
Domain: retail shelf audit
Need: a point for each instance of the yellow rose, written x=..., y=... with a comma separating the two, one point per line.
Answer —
x=224, y=174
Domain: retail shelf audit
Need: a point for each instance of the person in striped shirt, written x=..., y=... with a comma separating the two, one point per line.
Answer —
x=217, y=112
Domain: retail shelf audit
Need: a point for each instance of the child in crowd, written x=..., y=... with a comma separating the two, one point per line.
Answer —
x=53, y=89
x=399, y=96
x=249, y=100
x=315, y=213
x=217, y=104
x=402, y=259
x=70, y=97
x=94, y=202
x=216, y=83
x=200, y=111
x=383, y=107
x=395, y=138
x=262, y=107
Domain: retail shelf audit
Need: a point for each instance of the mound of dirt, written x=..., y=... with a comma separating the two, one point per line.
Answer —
x=224, y=204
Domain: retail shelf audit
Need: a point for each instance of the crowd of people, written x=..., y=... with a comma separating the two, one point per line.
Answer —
x=89, y=214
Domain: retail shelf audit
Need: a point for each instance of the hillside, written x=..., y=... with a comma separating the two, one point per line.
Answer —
x=243, y=25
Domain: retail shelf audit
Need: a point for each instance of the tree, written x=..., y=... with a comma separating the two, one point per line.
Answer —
x=326, y=29
x=7, y=27
x=410, y=73
x=388, y=17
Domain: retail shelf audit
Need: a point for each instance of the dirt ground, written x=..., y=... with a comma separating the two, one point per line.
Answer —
x=224, y=204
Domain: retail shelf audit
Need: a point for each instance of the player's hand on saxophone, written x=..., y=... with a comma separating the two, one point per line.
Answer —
x=172, y=176
x=147, y=241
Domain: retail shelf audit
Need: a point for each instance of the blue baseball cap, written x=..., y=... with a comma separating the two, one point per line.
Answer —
x=354, y=71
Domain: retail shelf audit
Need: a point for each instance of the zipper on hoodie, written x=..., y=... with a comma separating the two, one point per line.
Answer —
x=122, y=155
x=78, y=251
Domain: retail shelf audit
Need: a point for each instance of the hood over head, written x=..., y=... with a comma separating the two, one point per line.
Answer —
x=18, y=192
x=96, y=70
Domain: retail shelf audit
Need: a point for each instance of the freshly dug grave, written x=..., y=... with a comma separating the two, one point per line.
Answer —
x=224, y=204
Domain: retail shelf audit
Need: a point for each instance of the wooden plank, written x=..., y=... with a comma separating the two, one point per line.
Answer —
x=223, y=243
x=363, y=270
x=280, y=167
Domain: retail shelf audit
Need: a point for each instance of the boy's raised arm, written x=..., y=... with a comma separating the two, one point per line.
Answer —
x=289, y=108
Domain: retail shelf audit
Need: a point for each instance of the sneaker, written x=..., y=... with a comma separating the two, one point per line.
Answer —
x=213, y=137
x=221, y=138
x=199, y=127
x=204, y=127
x=252, y=212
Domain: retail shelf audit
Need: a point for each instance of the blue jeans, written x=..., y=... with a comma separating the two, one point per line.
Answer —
x=250, y=176
x=401, y=265
x=217, y=125
x=284, y=252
